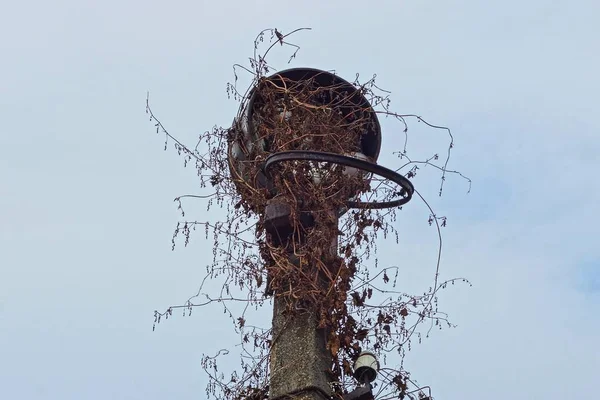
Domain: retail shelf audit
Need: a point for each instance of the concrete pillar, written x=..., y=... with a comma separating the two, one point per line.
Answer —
x=299, y=358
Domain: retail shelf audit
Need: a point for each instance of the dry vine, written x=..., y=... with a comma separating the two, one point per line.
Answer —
x=360, y=307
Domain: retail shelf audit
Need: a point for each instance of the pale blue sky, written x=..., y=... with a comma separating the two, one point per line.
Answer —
x=86, y=212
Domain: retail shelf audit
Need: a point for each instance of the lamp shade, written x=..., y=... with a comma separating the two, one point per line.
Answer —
x=366, y=367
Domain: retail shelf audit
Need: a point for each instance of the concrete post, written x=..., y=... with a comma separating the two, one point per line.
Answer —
x=299, y=358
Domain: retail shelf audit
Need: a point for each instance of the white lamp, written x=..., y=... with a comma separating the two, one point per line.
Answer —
x=366, y=367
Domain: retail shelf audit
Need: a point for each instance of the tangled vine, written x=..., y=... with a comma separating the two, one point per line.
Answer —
x=327, y=261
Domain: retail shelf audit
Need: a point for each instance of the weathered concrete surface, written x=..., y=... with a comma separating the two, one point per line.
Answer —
x=299, y=357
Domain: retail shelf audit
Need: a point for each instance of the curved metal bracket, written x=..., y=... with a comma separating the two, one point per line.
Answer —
x=319, y=156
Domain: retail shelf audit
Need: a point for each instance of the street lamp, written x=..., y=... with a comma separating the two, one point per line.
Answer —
x=247, y=146
x=301, y=151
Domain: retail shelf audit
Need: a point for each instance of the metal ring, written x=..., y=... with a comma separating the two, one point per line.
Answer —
x=319, y=156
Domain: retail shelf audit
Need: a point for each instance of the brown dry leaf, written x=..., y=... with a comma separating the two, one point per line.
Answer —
x=334, y=346
x=361, y=334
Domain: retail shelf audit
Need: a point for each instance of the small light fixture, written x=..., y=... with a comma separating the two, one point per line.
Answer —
x=366, y=367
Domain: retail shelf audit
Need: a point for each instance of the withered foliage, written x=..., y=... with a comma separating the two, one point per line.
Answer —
x=321, y=264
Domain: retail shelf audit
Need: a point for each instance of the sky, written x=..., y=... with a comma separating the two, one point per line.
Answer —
x=86, y=190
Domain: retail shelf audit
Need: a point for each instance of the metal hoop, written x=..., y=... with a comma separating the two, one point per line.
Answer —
x=319, y=156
